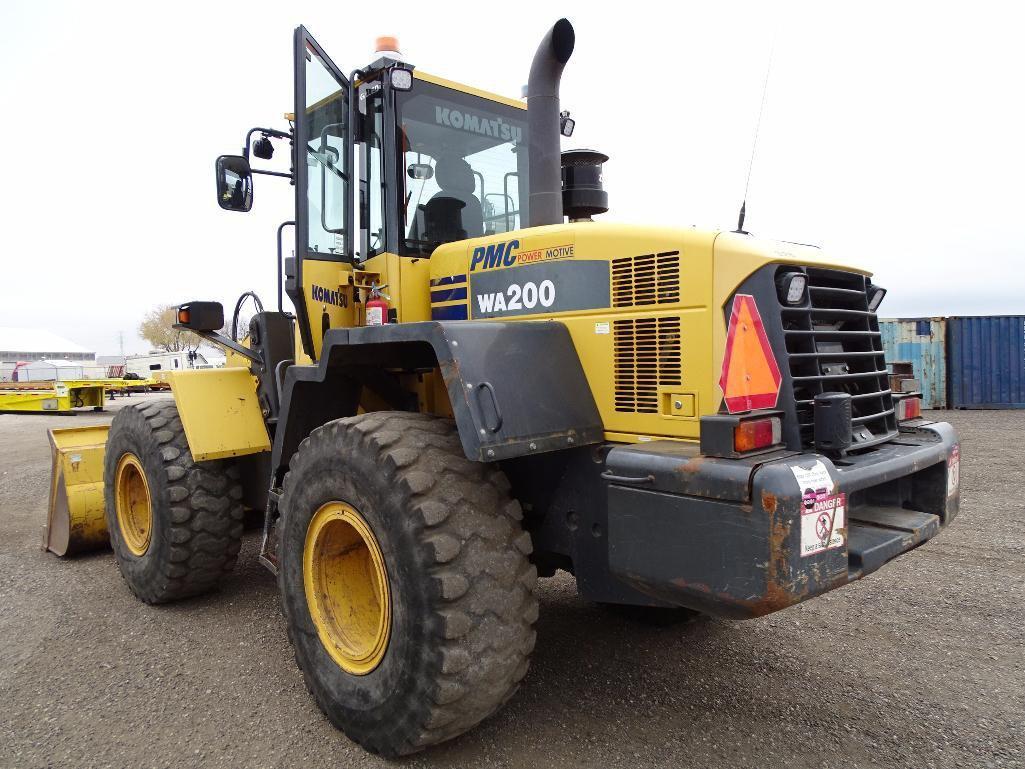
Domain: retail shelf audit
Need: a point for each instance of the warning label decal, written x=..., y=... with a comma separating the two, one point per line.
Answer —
x=823, y=524
x=954, y=470
x=815, y=479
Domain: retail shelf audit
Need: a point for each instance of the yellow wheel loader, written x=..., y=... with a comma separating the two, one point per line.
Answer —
x=478, y=385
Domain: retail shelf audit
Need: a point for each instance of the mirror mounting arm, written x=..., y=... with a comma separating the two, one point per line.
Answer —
x=272, y=173
x=219, y=339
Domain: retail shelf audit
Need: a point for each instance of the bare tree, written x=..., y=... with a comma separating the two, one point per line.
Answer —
x=157, y=328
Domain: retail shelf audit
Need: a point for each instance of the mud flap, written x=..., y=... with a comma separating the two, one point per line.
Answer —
x=75, y=522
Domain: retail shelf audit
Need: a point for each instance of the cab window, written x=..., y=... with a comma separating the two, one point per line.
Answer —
x=462, y=158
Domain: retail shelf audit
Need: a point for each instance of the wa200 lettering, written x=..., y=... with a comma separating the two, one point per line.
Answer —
x=518, y=297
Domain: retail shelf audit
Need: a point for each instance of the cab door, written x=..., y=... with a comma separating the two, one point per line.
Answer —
x=319, y=284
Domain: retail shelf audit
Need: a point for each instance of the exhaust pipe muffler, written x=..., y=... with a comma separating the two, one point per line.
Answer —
x=545, y=136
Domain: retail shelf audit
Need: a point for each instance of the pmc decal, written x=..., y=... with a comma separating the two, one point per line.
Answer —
x=507, y=255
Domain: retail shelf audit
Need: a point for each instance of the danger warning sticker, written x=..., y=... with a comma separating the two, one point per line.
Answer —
x=822, y=523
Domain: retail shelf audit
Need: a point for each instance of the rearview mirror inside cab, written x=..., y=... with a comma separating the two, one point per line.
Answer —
x=420, y=171
x=234, y=183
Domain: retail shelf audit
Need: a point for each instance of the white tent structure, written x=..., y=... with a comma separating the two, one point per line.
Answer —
x=51, y=371
x=31, y=344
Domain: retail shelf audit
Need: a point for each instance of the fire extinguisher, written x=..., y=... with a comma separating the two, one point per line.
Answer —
x=377, y=306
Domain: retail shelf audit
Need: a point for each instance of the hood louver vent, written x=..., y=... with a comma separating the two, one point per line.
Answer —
x=647, y=279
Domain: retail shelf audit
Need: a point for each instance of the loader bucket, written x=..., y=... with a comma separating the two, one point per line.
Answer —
x=75, y=522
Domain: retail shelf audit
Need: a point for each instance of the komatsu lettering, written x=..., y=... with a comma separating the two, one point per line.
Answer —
x=328, y=296
x=467, y=121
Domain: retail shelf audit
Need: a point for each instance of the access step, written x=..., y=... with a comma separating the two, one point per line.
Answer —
x=879, y=534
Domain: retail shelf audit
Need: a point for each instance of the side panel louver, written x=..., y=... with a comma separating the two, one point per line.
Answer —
x=647, y=354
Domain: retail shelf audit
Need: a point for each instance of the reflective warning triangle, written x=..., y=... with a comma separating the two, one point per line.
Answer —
x=750, y=375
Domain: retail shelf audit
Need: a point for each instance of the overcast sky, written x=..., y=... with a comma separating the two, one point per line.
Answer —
x=893, y=136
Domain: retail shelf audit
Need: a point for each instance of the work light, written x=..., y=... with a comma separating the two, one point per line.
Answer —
x=875, y=297
x=566, y=124
x=791, y=287
x=263, y=149
x=401, y=79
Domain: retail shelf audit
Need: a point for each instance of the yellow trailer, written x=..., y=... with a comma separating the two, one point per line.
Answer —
x=59, y=397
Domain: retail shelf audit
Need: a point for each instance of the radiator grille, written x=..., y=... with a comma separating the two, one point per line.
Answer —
x=647, y=354
x=646, y=279
x=833, y=345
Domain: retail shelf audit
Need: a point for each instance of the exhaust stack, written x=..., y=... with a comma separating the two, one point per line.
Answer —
x=545, y=168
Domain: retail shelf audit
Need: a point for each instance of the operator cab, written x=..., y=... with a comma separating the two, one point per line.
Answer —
x=433, y=162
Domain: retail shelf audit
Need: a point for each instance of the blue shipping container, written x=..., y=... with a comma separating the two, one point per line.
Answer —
x=922, y=343
x=986, y=362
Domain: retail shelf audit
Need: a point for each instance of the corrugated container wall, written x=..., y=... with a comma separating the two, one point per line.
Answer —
x=987, y=362
x=922, y=343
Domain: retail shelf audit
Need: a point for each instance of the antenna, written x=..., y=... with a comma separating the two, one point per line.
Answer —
x=754, y=141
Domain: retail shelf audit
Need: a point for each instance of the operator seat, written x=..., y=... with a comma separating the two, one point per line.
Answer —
x=453, y=213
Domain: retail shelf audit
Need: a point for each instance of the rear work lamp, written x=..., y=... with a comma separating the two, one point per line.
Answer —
x=791, y=286
x=875, y=297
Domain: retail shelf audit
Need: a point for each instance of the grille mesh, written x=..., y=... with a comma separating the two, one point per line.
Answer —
x=834, y=345
x=647, y=354
x=646, y=279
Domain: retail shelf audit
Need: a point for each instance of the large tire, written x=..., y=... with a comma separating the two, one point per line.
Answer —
x=195, y=511
x=461, y=587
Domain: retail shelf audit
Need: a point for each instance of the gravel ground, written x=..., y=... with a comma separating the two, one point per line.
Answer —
x=921, y=664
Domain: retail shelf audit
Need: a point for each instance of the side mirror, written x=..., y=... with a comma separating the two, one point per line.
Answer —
x=234, y=183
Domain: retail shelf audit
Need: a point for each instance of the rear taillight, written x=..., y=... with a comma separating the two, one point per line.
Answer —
x=732, y=436
x=756, y=434
x=908, y=408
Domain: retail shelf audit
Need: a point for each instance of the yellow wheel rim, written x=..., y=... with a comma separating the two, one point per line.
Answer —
x=133, y=504
x=347, y=588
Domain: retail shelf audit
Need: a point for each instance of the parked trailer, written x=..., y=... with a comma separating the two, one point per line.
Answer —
x=51, y=397
x=986, y=361
x=145, y=365
x=922, y=343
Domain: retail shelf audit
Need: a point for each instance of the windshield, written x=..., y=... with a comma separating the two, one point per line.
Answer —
x=463, y=157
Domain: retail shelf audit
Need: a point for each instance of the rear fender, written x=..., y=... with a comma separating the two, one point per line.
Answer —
x=516, y=388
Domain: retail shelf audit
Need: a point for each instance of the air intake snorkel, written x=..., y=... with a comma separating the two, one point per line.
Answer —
x=545, y=167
